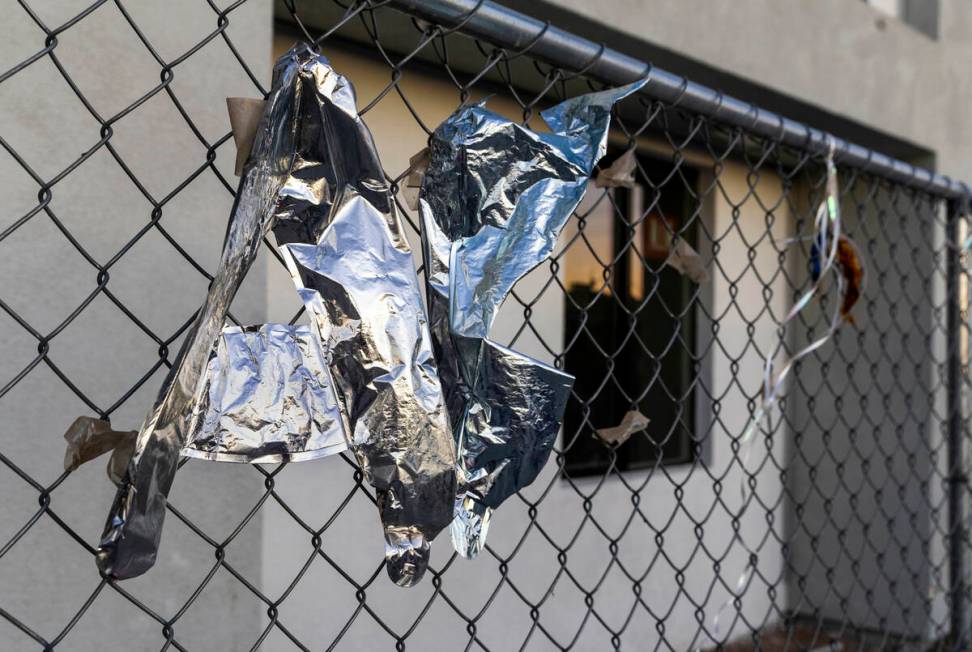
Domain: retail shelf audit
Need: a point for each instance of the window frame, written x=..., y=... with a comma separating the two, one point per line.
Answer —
x=577, y=461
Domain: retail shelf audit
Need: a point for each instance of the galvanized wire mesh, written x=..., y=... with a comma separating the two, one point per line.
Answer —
x=845, y=506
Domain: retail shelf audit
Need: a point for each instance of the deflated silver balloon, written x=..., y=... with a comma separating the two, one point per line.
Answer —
x=359, y=285
x=268, y=397
x=493, y=202
x=364, y=368
x=344, y=244
x=130, y=541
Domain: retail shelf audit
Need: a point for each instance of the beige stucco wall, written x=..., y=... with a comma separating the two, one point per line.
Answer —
x=47, y=577
x=843, y=56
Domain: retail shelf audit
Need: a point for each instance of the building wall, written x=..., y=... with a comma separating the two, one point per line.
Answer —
x=844, y=57
x=47, y=576
x=865, y=504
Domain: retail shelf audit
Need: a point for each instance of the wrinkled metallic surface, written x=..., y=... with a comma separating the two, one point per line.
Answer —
x=130, y=541
x=493, y=202
x=314, y=176
x=359, y=285
x=511, y=422
x=268, y=398
x=501, y=194
x=470, y=526
x=344, y=244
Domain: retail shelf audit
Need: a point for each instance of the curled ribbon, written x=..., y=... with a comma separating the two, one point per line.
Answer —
x=826, y=260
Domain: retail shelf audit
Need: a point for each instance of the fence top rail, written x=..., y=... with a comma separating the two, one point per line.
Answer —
x=510, y=29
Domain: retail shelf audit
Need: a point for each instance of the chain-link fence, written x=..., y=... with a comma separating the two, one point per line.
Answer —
x=839, y=526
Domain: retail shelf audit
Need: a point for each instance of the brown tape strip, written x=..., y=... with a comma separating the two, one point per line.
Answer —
x=632, y=422
x=88, y=438
x=620, y=174
x=244, y=115
x=417, y=165
x=687, y=261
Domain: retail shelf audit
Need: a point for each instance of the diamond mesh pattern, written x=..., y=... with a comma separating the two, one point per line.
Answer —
x=841, y=504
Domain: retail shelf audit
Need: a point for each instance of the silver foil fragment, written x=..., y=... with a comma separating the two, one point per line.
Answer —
x=344, y=244
x=470, y=526
x=268, y=397
x=130, y=541
x=314, y=176
x=493, y=201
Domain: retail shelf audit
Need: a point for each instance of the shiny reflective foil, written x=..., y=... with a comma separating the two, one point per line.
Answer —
x=130, y=541
x=269, y=394
x=493, y=202
x=268, y=397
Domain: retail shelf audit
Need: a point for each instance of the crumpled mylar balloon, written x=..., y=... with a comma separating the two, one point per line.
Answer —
x=267, y=397
x=314, y=177
x=493, y=202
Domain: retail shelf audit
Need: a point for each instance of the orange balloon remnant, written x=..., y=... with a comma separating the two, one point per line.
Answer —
x=849, y=261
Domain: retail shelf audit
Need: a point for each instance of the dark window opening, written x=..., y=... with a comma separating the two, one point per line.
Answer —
x=630, y=322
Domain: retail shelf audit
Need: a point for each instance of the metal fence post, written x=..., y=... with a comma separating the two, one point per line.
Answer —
x=957, y=475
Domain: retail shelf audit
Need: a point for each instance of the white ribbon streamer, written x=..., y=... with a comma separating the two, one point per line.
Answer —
x=827, y=228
